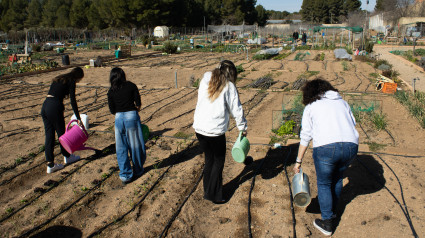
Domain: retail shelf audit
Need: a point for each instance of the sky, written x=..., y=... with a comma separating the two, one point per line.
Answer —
x=295, y=5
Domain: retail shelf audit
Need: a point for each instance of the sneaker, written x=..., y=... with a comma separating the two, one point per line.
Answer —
x=324, y=226
x=55, y=168
x=71, y=159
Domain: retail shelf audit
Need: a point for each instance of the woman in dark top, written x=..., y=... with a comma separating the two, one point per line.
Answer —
x=52, y=113
x=124, y=102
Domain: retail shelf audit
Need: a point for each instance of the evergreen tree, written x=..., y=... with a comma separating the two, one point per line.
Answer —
x=262, y=16
x=352, y=5
x=145, y=12
x=307, y=9
x=49, y=12
x=62, y=17
x=250, y=11
x=95, y=20
x=78, y=13
x=15, y=15
x=34, y=11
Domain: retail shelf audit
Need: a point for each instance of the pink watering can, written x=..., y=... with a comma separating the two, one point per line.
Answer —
x=74, y=138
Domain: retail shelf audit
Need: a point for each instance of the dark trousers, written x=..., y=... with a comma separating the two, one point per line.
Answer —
x=215, y=153
x=53, y=119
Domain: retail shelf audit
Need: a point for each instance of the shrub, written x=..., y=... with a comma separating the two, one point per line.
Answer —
x=381, y=61
x=169, y=47
x=287, y=128
x=369, y=46
x=392, y=74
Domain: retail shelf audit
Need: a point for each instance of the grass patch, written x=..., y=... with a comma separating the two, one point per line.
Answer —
x=415, y=103
x=373, y=146
x=182, y=135
x=380, y=121
x=282, y=56
x=345, y=66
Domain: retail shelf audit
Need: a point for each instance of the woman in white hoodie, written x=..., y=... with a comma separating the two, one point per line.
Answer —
x=328, y=121
x=217, y=100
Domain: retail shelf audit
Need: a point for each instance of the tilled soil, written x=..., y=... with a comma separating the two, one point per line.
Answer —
x=382, y=191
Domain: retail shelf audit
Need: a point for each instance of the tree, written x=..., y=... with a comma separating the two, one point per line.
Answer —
x=49, y=12
x=34, y=14
x=62, y=16
x=15, y=15
x=94, y=18
x=78, y=13
x=307, y=10
x=262, y=15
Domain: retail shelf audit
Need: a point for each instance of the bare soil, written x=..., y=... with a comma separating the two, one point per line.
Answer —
x=87, y=198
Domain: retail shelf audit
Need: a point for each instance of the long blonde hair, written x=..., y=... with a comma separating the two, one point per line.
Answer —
x=220, y=76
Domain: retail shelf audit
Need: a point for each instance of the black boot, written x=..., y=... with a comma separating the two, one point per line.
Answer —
x=324, y=226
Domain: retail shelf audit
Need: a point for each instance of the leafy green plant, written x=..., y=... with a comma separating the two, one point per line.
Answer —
x=84, y=189
x=286, y=129
x=9, y=210
x=239, y=69
x=19, y=160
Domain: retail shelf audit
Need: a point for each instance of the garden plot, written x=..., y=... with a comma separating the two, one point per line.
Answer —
x=88, y=197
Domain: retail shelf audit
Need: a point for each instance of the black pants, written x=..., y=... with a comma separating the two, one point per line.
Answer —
x=53, y=119
x=215, y=153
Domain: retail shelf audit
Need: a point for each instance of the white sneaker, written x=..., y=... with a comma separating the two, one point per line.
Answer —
x=54, y=168
x=71, y=159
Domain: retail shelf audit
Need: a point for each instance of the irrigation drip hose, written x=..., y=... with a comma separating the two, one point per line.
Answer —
x=19, y=174
x=249, y=196
x=20, y=132
x=405, y=212
x=390, y=136
x=34, y=229
x=157, y=110
x=294, y=221
x=97, y=232
x=402, y=196
x=49, y=189
x=170, y=222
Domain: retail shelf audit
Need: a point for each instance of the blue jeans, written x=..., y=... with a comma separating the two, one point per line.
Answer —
x=129, y=138
x=330, y=162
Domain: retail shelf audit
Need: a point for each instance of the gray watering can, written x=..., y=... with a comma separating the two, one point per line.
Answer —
x=301, y=189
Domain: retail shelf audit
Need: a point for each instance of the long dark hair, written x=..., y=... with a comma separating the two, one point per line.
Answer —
x=75, y=75
x=225, y=72
x=314, y=90
x=116, y=78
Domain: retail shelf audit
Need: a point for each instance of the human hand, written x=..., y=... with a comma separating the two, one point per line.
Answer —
x=297, y=167
x=80, y=123
x=244, y=133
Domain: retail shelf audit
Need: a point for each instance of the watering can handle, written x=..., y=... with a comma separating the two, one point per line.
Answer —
x=74, y=120
x=240, y=135
x=302, y=176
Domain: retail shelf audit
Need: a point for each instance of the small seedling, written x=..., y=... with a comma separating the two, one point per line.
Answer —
x=104, y=175
x=380, y=122
x=19, y=160
x=9, y=210
x=24, y=201
x=84, y=189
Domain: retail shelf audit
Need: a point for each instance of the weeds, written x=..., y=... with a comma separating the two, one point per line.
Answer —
x=282, y=56
x=239, y=69
x=373, y=146
x=84, y=189
x=345, y=66
x=380, y=121
x=19, y=160
x=9, y=210
x=182, y=135
x=415, y=103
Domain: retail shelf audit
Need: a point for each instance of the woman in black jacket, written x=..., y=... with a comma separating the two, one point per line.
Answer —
x=52, y=113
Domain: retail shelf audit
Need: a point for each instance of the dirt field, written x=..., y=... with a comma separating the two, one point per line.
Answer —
x=383, y=192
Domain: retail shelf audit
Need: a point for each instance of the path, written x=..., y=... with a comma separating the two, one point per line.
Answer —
x=407, y=69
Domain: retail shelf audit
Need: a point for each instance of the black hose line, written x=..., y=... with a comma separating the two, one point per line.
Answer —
x=392, y=194
x=294, y=221
x=170, y=222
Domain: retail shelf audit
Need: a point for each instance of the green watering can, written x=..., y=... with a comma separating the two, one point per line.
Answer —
x=240, y=148
x=145, y=132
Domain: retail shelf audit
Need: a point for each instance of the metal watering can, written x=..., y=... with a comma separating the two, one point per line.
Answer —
x=240, y=148
x=301, y=189
x=73, y=139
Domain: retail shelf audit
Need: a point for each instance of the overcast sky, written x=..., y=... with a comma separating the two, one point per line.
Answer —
x=295, y=5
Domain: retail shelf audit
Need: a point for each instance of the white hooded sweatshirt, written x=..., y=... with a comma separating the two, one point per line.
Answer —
x=212, y=118
x=328, y=120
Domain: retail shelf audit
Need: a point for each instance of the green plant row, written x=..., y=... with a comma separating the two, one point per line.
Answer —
x=415, y=103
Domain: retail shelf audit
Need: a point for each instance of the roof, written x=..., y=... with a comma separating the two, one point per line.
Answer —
x=353, y=29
